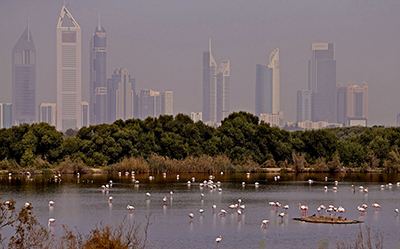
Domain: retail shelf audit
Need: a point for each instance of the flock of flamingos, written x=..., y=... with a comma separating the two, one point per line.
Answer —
x=238, y=207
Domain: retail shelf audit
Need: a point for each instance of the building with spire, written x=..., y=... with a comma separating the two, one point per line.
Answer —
x=215, y=88
x=267, y=99
x=98, y=78
x=24, y=79
x=209, y=86
x=223, y=78
x=69, y=72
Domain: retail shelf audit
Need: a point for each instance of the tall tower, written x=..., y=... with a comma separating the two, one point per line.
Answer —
x=209, y=86
x=304, y=105
x=98, y=81
x=167, y=103
x=223, y=78
x=120, y=96
x=69, y=75
x=322, y=81
x=268, y=86
x=24, y=79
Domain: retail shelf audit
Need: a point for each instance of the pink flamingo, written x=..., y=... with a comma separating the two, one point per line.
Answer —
x=361, y=209
x=341, y=210
x=304, y=209
x=376, y=206
x=264, y=224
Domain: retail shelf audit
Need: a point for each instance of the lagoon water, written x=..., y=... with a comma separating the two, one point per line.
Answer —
x=81, y=204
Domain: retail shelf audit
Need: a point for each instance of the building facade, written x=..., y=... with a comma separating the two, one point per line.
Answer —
x=149, y=103
x=352, y=103
x=5, y=115
x=24, y=79
x=98, y=78
x=198, y=116
x=209, y=86
x=304, y=100
x=322, y=82
x=120, y=96
x=48, y=113
x=85, y=116
x=69, y=72
x=223, y=80
x=267, y=99
x=167, y=103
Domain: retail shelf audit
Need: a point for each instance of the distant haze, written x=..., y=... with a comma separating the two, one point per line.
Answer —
x=161, y=44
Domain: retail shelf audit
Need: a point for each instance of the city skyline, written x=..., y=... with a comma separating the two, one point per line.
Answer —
x=140, y=44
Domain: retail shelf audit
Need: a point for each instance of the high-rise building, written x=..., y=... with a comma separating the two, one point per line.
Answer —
x=167, y=103
x=223, y=78
x=98, y=81
x=196, y=116
x=85, y=114
x=5, y=115
x=322, y=81
x=47, y=113
x=209, y=86
x=304, y=100
x=149, y=103
x=120, y=96
x=69, y=72
x=268, y=86
x=24, y=79
x=352, y=102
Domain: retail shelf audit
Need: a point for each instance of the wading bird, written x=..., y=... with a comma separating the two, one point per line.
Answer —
x=264, y=224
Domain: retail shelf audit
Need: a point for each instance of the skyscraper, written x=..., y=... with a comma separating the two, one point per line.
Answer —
x=5, y=115
x=47, y=113
x=24, y=79
x=209, y=86
x=85, y=113
x=120, y=96
x=268, y=86
x=223, y=78
x=69, y=75
x=167, y=103
x=304, y=105
x=322, y=81
x=352, y=102
x=149, y=103
x=98, y=81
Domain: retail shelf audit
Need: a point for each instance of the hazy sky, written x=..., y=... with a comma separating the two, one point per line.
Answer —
x=161, y=44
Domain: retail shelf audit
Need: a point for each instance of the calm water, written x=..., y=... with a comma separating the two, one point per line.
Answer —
x=81, y=203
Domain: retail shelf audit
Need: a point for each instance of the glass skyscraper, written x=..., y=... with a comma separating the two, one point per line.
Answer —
x=98, y=78
x=322, y=82
x=24, y=79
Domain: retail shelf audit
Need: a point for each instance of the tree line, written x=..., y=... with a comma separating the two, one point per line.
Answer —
x=240, y=137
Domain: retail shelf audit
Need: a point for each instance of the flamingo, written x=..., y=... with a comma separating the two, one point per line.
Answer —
x=326, y=188
x=277, y=205
x=396, y=211
x=281, y=215
x=326, y=178
x=286, y=207
x=361, y=209
x=243, y=184
x=304, y=209
x=171, y=193
x=52, y=222
x=110, y=199
x=334, y=188
x=264, y=224
x=341, y=210
x=365, y=206
x=202, y=196
x=272, y=204
x=218, y=239
x=51, y=203
x=376, y=206
x=336, y=182
x=214, y=207
x=188, y=183
x=310, y=181
x=191, y=216
x=239, y=212
x=222, y=212
x=233, y=206
x=256, y=184
x=130, y=208
x=201, y=211
x=148, y=195
x=27, y=204
x=319, y=211
x=366, y=190
x=165, y=200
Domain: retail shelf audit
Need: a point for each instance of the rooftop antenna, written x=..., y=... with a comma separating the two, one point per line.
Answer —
x=29, y=30
x=99, y=25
